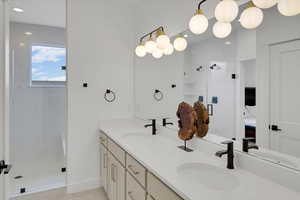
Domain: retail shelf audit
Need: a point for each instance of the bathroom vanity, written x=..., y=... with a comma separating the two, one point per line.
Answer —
x=135, y=165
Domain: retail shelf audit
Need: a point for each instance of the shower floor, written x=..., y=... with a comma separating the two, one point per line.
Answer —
x=37, y=178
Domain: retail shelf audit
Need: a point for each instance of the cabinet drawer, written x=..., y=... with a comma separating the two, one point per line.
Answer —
x=134, y=191
x=136, y=170
x=117, y=151
x=158, y=190
x=103, y=139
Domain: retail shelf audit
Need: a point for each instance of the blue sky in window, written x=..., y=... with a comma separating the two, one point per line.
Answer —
x=47, y=62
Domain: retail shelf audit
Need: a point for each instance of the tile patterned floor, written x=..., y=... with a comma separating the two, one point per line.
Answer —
x=60, y=194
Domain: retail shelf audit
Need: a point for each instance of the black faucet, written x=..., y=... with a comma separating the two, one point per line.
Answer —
x=165, y=123
x=229, y=152
x=247, y=145
x=153, y=125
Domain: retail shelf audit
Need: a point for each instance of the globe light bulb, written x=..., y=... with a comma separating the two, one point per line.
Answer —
x=169, y=50
x=198, y=23
x=162, y=40
x=264, y=4
x=289, y=7
x=157, y=53
x=150, y=45
x=222, y=29
x=252, y=17
x=140, y=50
x=226, y=11
x=180, y=43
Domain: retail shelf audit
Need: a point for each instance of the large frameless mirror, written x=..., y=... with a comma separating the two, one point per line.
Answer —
x=248, y=82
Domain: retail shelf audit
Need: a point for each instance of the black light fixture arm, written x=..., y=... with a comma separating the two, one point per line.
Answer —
x=151, y=33
x=201, y=2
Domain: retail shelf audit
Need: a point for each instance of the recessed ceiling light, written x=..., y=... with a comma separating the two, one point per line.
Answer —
x=228, y=43
x=19, y=10
x=28, y=33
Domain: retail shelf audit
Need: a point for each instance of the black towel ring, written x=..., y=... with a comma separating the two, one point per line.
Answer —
x=110, y=93
x=158, y=95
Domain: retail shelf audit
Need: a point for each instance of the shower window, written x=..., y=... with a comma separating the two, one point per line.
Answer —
x=48, y=64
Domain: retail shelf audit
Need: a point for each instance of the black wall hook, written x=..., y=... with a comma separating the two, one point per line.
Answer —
x=108, y=93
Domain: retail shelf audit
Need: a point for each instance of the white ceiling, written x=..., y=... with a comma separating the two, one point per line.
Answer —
x=43, y=12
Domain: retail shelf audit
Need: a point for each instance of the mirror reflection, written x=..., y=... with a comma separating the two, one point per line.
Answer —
x=247, y=82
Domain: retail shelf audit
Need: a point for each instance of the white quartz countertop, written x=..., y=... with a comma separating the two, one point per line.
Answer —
x=160, y=155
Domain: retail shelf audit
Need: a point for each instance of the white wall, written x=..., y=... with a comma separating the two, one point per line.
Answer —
x=38, y=114
x=151, y=74
x=275, y=29
x=101, y=41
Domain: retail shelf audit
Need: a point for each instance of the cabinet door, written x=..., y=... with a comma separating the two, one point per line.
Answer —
x=117, y=180
x=103, y=164
x=134, y=190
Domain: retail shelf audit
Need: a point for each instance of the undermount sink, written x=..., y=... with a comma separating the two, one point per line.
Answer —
x=207, y=175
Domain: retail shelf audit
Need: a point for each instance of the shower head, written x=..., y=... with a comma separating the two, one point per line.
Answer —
x=214, y=67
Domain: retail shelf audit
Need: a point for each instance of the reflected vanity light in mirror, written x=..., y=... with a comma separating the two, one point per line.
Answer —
x=226, y=11
x=157, y=53
x=289, y=7
x=162, y=40
x=222, y=29
x=169, y=50
x=251, y=17
x=150, y=45
x=180, y=43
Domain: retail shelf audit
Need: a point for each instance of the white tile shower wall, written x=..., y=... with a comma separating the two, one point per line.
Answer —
x=216, y=82
x=38, y=114
x=101, y=42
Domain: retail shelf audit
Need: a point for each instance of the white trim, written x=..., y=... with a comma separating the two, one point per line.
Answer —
x=6, y=94
x=84, y=185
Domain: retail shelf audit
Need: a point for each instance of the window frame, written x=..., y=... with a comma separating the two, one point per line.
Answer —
x=46, y=84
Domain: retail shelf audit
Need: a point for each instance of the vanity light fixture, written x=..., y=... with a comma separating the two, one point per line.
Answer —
x=180, y=43
x=150, y=45
x=141, y=50
x=289, y=7
x=159, y=44
x=169, y=50
x=199, y=22
x=264, y=4
x=157, y=53
x=226, y=11
x=222, y=29
x=162, y=39
x=251, y=17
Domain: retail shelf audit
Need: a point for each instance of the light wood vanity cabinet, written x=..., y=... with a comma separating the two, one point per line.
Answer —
x=134, y=191
x=103, y=165
x=116, y=181
x=125, y=178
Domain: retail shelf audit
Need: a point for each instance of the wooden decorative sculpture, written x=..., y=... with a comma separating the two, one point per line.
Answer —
x=187, y=121
x=202, y=119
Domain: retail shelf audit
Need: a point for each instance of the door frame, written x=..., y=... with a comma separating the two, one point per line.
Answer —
x=6, y=93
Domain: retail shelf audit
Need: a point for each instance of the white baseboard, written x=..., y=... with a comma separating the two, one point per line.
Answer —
x=83, y=186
